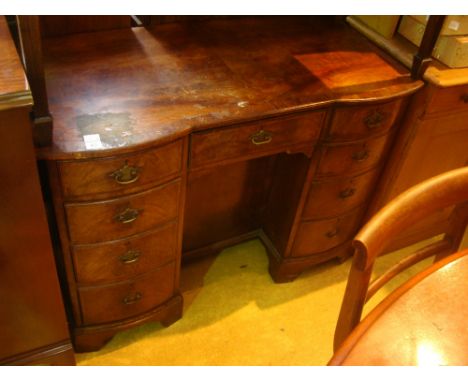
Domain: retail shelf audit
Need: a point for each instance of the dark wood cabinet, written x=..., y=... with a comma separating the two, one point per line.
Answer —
x=121, y=244
x=33, y=325
x=176, y=140
x=432, y=139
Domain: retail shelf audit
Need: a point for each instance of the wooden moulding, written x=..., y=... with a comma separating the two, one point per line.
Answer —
x=60, y=354
x=14, y=88
x=13, y=100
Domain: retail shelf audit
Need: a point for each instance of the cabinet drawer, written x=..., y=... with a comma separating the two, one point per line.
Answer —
x=120, y=301
x=357, y=122
x=120, y=175
x=118, y=218
x=127, y=258
x=256, y=138
x=352, y=158
x=454, y=98
x=321, y=235
x=333, y=197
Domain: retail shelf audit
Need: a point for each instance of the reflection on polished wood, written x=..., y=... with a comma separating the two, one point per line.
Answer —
x=153, y=84
x=14, y=87
x=433, y=134
x=229, y=129
x=422, y=323
x=416, y=204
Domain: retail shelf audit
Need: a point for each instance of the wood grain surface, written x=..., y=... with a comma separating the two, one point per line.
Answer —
x=422, y=323
x=14, y=88
x=113, y=219
x=351, y=158
x=166, y=80
x=32, y=320
x=338, y=195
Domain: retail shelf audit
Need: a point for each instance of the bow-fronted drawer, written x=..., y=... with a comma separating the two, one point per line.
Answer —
x=356, y=122
x=122, y=217
x=120, y=175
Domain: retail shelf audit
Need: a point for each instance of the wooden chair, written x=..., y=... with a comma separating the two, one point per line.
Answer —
x=448, y=189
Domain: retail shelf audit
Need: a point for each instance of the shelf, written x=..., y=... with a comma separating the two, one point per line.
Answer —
x=402, y=50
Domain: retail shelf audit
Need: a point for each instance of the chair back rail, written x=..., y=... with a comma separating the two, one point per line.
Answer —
x=418, y=202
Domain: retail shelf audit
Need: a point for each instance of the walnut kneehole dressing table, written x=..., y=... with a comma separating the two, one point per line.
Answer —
x=177, y=140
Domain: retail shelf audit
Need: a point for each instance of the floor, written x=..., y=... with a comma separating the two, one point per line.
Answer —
x=235, y=315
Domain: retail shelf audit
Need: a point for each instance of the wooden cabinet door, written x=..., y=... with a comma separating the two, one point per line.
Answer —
x=33, y=325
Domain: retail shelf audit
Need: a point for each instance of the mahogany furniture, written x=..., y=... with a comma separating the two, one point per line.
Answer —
x=176, y=140
x=423, y=323
x=432, y=139
x=413, y=205
x=33, y=326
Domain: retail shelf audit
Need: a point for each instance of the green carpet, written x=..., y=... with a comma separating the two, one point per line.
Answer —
x=235, y=315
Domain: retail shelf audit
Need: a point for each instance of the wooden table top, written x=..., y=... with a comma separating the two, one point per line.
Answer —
x=424, y=322
x=14, y=87
x=143, y=86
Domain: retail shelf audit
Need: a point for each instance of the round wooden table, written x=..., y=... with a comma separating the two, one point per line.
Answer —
x=423, y=322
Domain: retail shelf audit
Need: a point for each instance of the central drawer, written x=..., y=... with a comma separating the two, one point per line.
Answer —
x=252, y=139
x=117, y=218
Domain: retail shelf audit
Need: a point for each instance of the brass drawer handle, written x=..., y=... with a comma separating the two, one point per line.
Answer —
x=331, y=234
x=347, y=192
x=127, y=216
x=374, y=119
x=361, y=156
x=130, y=256
x=132, y=299
x=126, y=174
x=262, y=137
x=464, y=98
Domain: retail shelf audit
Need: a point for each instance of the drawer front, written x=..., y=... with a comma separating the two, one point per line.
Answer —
x=256, y=138
x=454, y=99
x=357, y=122
x=124, y=259
x=321, y=235
x=107, y=304
x=352, y=158
x=118, y=218
x=331, y=198
x=120, y=175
